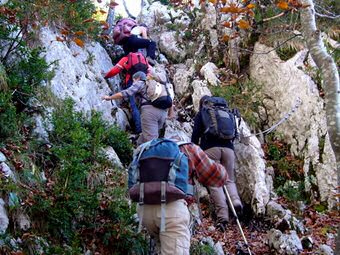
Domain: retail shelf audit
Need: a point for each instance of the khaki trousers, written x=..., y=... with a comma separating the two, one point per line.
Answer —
x=226, y=157
x=152, y=120
x=176, y=237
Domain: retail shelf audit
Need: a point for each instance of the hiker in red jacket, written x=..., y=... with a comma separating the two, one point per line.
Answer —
x=131, y=63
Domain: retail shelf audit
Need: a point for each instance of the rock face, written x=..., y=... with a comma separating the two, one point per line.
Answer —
x=284, y=243
x=209, y=71
x=4, y=221
x=250, y=171
x=306, y=130
x=78, y=75
x=169, y=44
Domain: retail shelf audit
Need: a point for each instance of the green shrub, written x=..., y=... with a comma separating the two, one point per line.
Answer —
x=199, y=248
x=289, y=174
x=75, y=18
x=87, y=203
x=8, y=117
x=120, y=142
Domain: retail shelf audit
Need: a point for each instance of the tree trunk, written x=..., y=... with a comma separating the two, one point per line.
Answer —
x=329, y=72
x=110, y=20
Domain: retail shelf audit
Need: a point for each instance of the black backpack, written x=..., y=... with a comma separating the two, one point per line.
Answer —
x=219, y=122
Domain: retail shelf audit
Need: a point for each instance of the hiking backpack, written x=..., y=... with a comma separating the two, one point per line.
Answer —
x=159, y=174
x=159, y=94
x=136, y=62
x=123, y=29
x=219, y=122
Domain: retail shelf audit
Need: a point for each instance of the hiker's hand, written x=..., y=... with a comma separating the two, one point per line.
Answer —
x=106, y=98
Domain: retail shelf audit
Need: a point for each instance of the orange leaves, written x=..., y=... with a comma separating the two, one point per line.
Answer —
x=105, y=25
x=283, y=5
x=213, y=2
x=251, y=6
x=59, y=39
x=80, y=33
x=113, y=4
x=243, y=24
x=88, y=20
x=290, y=4
x=79, y=42
x=227, y=24
x=232, y=8
x=225, y=38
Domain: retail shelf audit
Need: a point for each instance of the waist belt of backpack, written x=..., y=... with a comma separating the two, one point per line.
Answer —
x=141, y=206
x=146, y=103
x=163, y=204
x=141, y=203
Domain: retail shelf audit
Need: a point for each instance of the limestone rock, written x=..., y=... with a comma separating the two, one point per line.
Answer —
x=78, y=75
x=2, y=157
x=170, y=44
x=181, y=79
x=209, y=23
x=325, y=250
x=284, y=243
x=112, y=156
x=6, y=170
x=23, y=221
x=250, y=169
x=4, y=221
x=176, y=128
x=306, y=130
x=200, y=89
x=209, y=71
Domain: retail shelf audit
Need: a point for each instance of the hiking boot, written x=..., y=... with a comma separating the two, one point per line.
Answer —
x=222, y=225
x=151, y=61
x=235, y=198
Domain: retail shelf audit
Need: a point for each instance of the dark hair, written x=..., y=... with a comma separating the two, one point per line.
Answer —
x=203, y=98
x=143, y=25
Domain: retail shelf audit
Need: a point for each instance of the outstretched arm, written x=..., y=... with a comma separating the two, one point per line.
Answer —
x=118, y=95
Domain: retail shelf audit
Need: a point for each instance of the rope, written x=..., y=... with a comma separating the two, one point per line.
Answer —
x=297, y=104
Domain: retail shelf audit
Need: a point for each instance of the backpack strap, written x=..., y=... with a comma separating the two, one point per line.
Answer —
x=163, y=204
x=140, y=204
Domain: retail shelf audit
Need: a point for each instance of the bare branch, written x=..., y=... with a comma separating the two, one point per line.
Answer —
x=274, y=17
x=273, y=49
x=327, y=16
x=127, y=10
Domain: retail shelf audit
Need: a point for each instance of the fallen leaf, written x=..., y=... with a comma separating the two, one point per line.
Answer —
x=243, y=24
x=283, y=5
x=59, y=39
x=79, y=33
x=227, y=24
x=79, y=42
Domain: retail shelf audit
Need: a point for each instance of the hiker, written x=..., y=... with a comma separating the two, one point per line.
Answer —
x=135, y=42
x=167, y=217
x=141, y=31
x=127, y=33
x=152, y=118
x=131, y=63
x=222, y=151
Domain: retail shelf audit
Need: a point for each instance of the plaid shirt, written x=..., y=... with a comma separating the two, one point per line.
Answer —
x=206, y=170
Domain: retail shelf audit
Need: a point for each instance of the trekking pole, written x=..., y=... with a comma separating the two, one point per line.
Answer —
x=237, y=220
